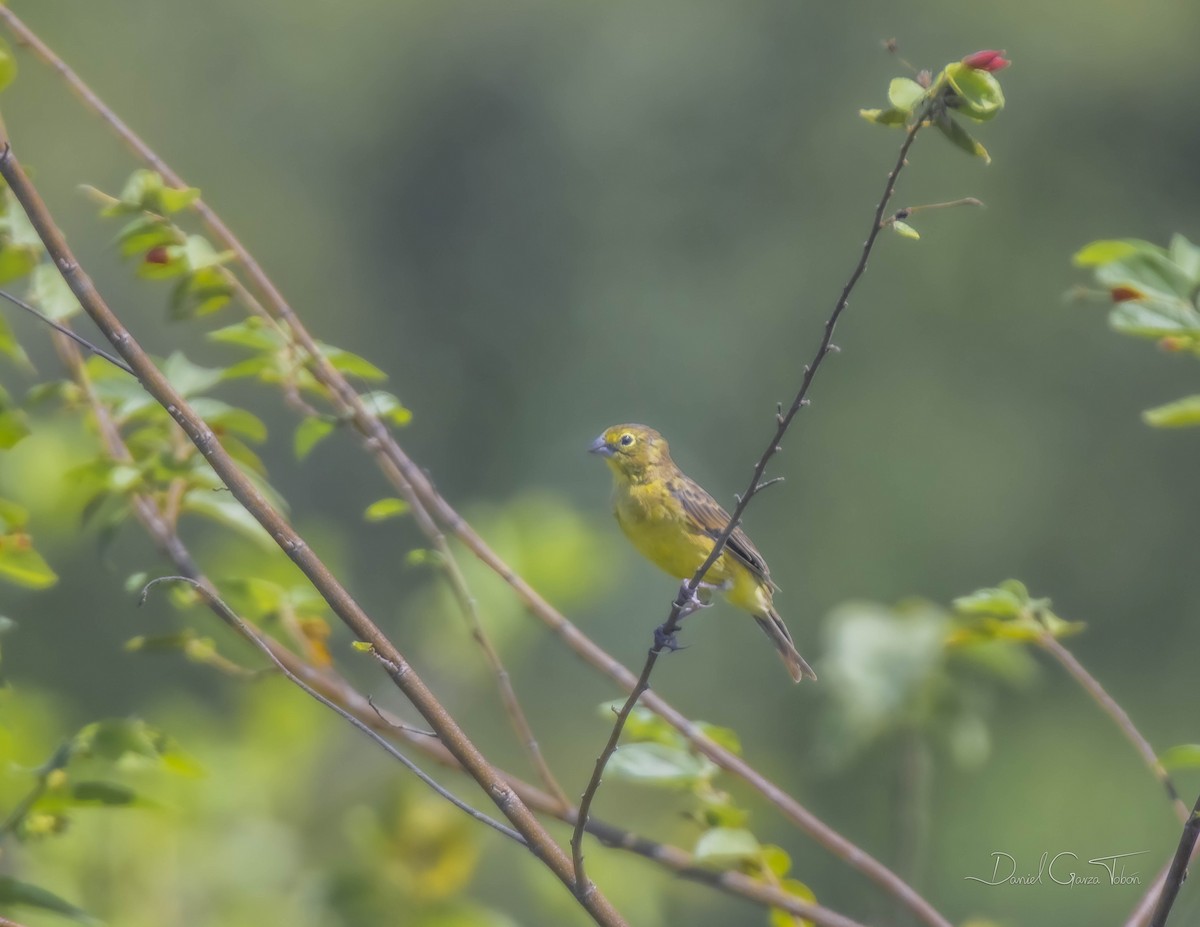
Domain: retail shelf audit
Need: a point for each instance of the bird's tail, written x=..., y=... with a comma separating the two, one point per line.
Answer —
x=775, y=629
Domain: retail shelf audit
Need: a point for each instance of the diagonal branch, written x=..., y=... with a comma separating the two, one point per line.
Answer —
x=412, y=483
x=235, y=621
x=243, y=489
x=1177, y=871
x=664, y=635
x=1120, y=717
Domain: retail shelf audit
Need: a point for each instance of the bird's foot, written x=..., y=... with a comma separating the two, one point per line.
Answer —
x=691, y=602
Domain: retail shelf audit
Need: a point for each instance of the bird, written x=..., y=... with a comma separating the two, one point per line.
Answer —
x=674, y=523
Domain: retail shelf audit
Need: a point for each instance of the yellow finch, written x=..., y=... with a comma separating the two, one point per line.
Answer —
x=674, y=524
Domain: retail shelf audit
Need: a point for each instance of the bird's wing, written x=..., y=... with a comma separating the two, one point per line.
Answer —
x=710, y=519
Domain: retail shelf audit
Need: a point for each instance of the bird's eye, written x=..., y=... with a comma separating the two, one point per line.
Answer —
x=626, y=439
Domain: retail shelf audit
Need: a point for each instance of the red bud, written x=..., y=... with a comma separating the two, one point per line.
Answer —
x=1173, y=343
x=988, y=60
x=1120, y=294
x=158, y=255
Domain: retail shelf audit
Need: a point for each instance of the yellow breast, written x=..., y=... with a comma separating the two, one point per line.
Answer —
x=657, y=526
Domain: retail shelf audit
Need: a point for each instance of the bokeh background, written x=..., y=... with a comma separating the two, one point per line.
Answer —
x=544, y=218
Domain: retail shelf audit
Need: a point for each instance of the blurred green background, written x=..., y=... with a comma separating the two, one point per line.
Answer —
x=543, y=218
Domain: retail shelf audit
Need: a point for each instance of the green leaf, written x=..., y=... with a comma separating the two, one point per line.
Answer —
x=884, y=117
x=904, y=94
x=904, y=230
x=961, y=138
x=15, y=892
x=776, y=859
x=386, y=407
x=221, y=507
x=226, y=418
x=309, y=433
x=1003, y=603
x=143, y=233
x=1150, y=273
x=1183, y=756
x=1185, y=256
x=116, y=739
x=796, y=888
x=253, y=333
x=11, y=348
x=17, y=261
x=382, y=509
x=190, y=379
x=173, y=199
x=726, y=847
x=726, y=737
x=13, y=428
x=351, y=364
x=1182, y=413
x=50, y=293
x=199, y=253
x=979, y=94
x=660, y=765
x=8, y=65
x=642, y=725
x=104, y=793
x=1105, y=251
x=23, y=566
x=1154, y=318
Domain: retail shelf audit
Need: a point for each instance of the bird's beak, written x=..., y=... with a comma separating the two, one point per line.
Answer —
x=600, y=446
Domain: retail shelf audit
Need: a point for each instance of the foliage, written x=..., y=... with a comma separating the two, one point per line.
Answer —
x=1155, y=291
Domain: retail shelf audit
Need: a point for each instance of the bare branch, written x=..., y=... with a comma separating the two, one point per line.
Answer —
x=1178, y=868
x=235, y=621
x=63, y=330
x=1120, y=717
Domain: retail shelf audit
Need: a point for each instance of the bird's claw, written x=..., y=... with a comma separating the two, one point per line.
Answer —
x=691, y=601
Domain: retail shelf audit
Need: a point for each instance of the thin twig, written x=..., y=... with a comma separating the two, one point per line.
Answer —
x=1178, y=869
x=687, y=592
x=344, y=395
x=235, y=621
x=1119, y=716
x=412, y=483
x=63, y=330
x=244, y=490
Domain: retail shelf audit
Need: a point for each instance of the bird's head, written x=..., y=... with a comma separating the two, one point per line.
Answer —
x=632, y=450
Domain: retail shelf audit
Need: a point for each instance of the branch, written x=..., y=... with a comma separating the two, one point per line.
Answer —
x=343, y=604
x=414, y=486
x=66, y=332
x=235, y=621
x=1178, y=869
x=331, y=688
x=1119, y=716
x=664, y=634
x=344, y=395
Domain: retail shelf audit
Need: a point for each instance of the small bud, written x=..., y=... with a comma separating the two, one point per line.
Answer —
x=988, y=60
x=1120, y=294
x=1173, y=343
x=158, y=255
